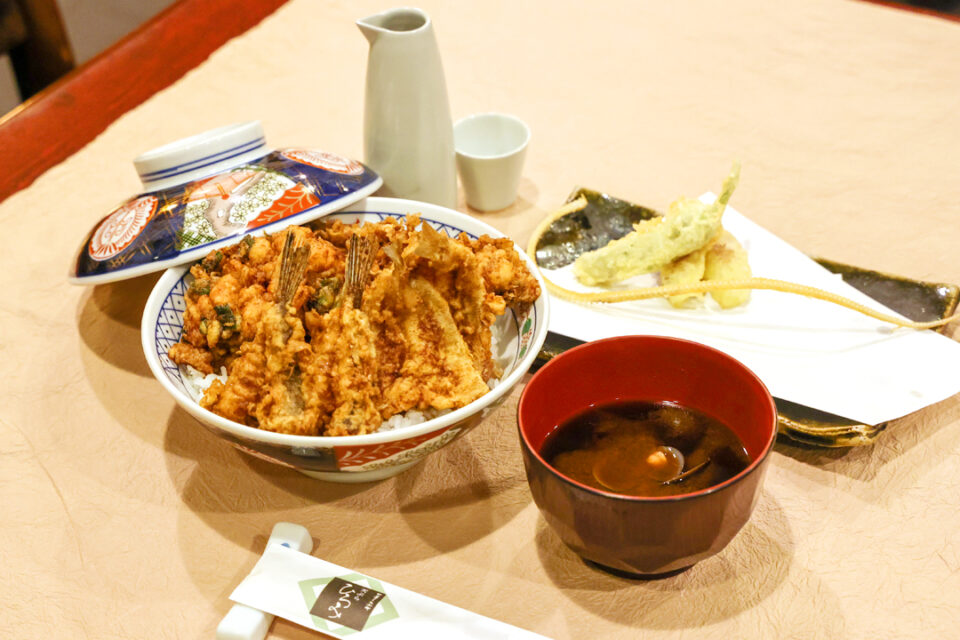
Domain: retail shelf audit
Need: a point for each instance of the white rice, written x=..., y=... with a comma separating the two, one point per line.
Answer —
x=197, y=383
x=410, y=418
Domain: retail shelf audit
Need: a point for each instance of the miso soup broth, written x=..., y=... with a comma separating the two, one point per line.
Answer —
x=642, y=448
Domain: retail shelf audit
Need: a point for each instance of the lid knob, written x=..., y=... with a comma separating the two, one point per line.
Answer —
x=200, y=155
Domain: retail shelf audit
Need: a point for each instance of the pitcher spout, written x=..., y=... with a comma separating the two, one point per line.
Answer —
x=407, y=129
x=403, y=20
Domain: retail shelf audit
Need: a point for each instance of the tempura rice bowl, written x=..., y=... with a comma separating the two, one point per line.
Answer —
x=359, y=458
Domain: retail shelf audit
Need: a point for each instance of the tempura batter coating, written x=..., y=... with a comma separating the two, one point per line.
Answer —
x=726, y=259
x=687, y=226
x=686, y=269
x=420, y=339
x=504, y=271
x=338, y=374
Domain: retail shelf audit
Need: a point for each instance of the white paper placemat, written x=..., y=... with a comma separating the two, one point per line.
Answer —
x=807, y=351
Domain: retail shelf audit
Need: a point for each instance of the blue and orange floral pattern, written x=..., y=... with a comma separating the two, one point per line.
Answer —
x=174, y=225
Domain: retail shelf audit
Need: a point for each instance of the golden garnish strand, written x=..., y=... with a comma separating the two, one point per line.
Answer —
x=647, y=293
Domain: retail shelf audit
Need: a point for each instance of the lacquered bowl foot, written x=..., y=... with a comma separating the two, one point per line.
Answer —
x=629, y=575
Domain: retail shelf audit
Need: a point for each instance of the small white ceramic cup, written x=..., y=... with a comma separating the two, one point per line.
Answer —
x=490, y=149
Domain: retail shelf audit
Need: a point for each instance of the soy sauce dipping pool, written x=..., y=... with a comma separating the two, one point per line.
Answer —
x=642, y=448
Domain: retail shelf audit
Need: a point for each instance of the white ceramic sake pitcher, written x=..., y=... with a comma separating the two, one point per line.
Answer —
x=408, y=133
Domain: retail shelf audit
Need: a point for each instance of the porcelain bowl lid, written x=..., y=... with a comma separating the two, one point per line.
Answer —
x=208, y=191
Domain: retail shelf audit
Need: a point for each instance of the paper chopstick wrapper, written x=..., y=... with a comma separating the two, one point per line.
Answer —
x=325, y=597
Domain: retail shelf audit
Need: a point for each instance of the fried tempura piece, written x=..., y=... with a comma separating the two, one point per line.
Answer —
x=686, y=269
x=452, y=268
x=186, y=353
x=263, y=383
x=282, y=408
x=257, y=390
x=687, y=226
x=389, y=231
x=224, y=300
x=383, y=306
x=726, y=259
x=214, y=318
x=329, y=362
x=428, y=312
x=438, y=371
x=341, y=376
x=236, y=398
x=504, y=271
x=346, y=354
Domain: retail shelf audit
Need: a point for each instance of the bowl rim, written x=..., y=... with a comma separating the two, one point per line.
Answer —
x=369, y=205
x=496, y=116
x=753, y=466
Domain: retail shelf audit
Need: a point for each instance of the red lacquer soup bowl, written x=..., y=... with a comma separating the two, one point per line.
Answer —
x=646, y=536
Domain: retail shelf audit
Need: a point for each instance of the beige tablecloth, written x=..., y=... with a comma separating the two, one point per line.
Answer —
x=123, y=518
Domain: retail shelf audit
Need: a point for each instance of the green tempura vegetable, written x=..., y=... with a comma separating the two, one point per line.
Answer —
x=225, y=316
x=687, y=226
x=686, y=269
x=199, y=287
x=212, y=261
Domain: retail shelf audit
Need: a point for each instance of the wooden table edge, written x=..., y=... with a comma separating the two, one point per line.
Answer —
x=61, y=119
x=55, y=123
